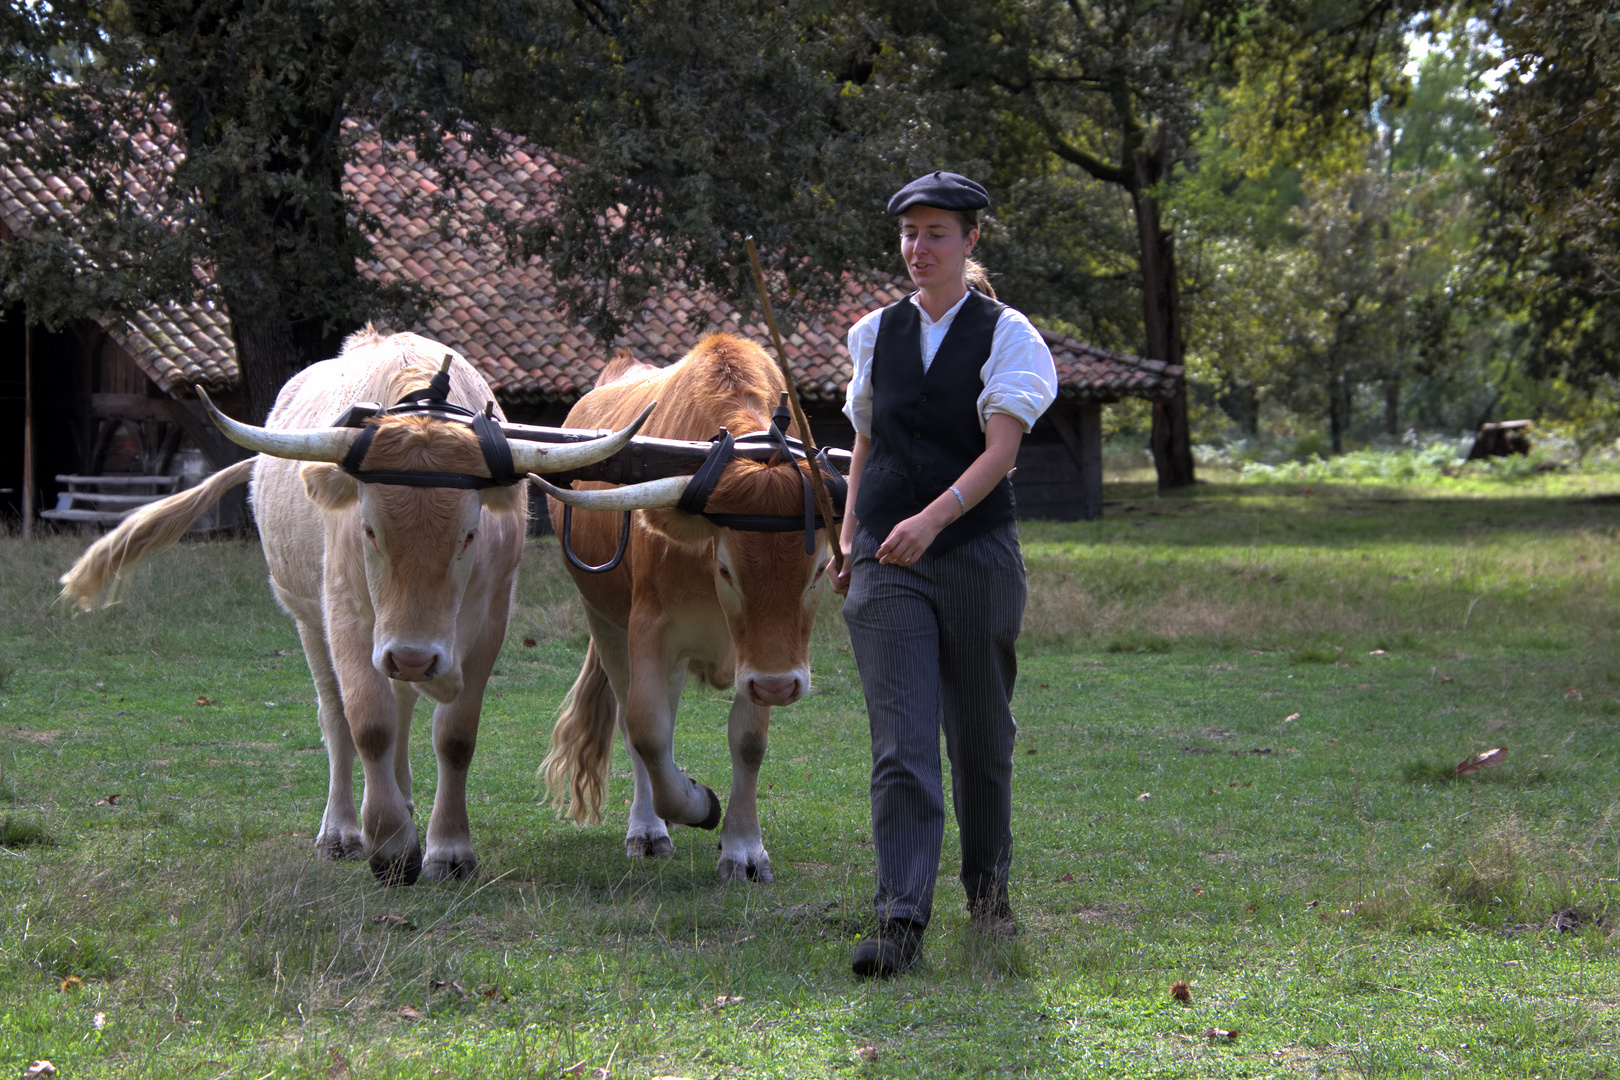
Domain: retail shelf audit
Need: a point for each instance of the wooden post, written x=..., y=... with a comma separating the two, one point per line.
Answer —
x=28, y=433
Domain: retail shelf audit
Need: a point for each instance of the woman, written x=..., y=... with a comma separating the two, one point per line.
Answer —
x=946, y=384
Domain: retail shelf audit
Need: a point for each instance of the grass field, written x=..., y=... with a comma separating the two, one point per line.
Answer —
x=1239, y=714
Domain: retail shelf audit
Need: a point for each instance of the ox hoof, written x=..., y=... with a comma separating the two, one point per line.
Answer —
x=649, y=847
x=451, y=868
x=713, y=820
x=759, y=872
x=400, y=870
x=337, y=846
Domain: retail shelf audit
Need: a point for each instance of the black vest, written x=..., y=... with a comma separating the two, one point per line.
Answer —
x=925, y=426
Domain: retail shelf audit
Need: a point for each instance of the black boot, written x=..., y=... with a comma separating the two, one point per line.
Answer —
x=889, y=951
x=993, y=917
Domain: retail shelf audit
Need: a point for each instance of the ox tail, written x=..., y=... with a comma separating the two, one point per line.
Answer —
x=575, y=771
x=107, y=565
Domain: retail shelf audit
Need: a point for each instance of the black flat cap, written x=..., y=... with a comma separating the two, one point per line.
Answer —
x=946, y=190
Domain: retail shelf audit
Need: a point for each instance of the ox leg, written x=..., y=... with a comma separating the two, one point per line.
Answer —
x=742, y=850
x=391, y=841
x=340, y=836
x=455, y=738
x=405, y=698
x=650, y=723
x=647, y=836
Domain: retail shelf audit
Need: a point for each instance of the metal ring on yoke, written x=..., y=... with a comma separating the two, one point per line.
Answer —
x=568, y=550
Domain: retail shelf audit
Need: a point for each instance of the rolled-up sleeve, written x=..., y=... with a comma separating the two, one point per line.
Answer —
x=858, y=398
x=1019, y=378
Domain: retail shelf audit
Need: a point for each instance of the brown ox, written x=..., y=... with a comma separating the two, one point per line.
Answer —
x=397, y=591
x=729, y=605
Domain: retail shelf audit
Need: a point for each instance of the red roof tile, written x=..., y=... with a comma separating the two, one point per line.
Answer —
x=504, y=318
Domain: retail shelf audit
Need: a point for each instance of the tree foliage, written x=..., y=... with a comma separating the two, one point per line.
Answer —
x=679, y=129
x=1556, y=197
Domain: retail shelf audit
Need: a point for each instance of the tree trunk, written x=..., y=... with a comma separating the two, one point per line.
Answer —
x=1392, y=406
x=1161, y=311
x=1338, y=409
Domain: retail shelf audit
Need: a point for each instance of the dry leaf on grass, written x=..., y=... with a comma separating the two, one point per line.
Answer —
x=1144, y=795
x=405, y=1012
x=580, y=1070
x=110, y=800
x=72, y=982
x=495, y=994
x=205, y=701
x=1572, y=694
x=722, y=1001
x=39, y=1069
x=1292, y=717
x=529, y=643
x=1481, y=761
x=1066, y=879
x=1181, y=991
x=441, y=984
x=868, y=1054
x=395, y=922
x=1216, y=1033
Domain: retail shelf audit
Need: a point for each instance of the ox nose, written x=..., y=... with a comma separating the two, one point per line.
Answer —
x=411, y=665
x=775, y=689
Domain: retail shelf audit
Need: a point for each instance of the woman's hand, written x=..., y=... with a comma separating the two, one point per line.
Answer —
x=909, y=539
x=840, y=575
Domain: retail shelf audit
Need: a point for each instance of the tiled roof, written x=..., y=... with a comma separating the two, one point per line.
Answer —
x=505, y=318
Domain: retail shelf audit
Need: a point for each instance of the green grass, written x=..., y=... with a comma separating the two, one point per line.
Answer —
x=1240, y=711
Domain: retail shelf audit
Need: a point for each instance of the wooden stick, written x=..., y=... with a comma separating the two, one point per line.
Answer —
x=28, y=433
x=823, y=503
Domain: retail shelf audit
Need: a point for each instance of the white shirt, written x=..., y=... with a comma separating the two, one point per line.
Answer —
x=1019, y=377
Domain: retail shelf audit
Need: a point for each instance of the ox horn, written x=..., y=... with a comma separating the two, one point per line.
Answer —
x=533, y=457
x=652, y=495
x=299, y=444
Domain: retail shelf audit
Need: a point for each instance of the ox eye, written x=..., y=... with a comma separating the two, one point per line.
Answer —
x=467, y=543
x=725, y=572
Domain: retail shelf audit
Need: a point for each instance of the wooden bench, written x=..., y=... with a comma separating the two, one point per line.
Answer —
x=104, y=500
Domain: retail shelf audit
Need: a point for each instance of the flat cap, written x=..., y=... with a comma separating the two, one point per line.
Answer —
x=946, y=190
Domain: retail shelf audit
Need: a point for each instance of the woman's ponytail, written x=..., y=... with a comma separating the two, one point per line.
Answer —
x=978, y=279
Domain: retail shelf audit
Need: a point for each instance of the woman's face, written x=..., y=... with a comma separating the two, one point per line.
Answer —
x=934, y=246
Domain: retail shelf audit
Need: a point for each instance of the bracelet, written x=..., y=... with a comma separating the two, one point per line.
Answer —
x=959, y=500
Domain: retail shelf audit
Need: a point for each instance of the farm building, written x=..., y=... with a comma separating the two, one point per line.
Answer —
x=119, y=400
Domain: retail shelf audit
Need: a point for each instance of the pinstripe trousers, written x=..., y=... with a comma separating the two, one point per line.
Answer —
x=935, y=645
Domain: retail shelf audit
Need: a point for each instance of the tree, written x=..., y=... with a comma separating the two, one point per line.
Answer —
x=679, y=128
x=1555, y=198
x=1316, y=280
x=1116, y=89
x=262, y=104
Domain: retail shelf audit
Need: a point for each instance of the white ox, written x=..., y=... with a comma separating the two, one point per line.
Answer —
x=396, y=590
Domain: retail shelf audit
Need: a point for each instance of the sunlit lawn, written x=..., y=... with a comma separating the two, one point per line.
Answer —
x=1239, y=711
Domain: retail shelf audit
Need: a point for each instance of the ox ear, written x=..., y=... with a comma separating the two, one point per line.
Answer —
x=687, y=530
x=328, y=486
x=505, y=500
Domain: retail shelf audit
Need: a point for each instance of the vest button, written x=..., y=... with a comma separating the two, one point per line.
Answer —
x=923, y=398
